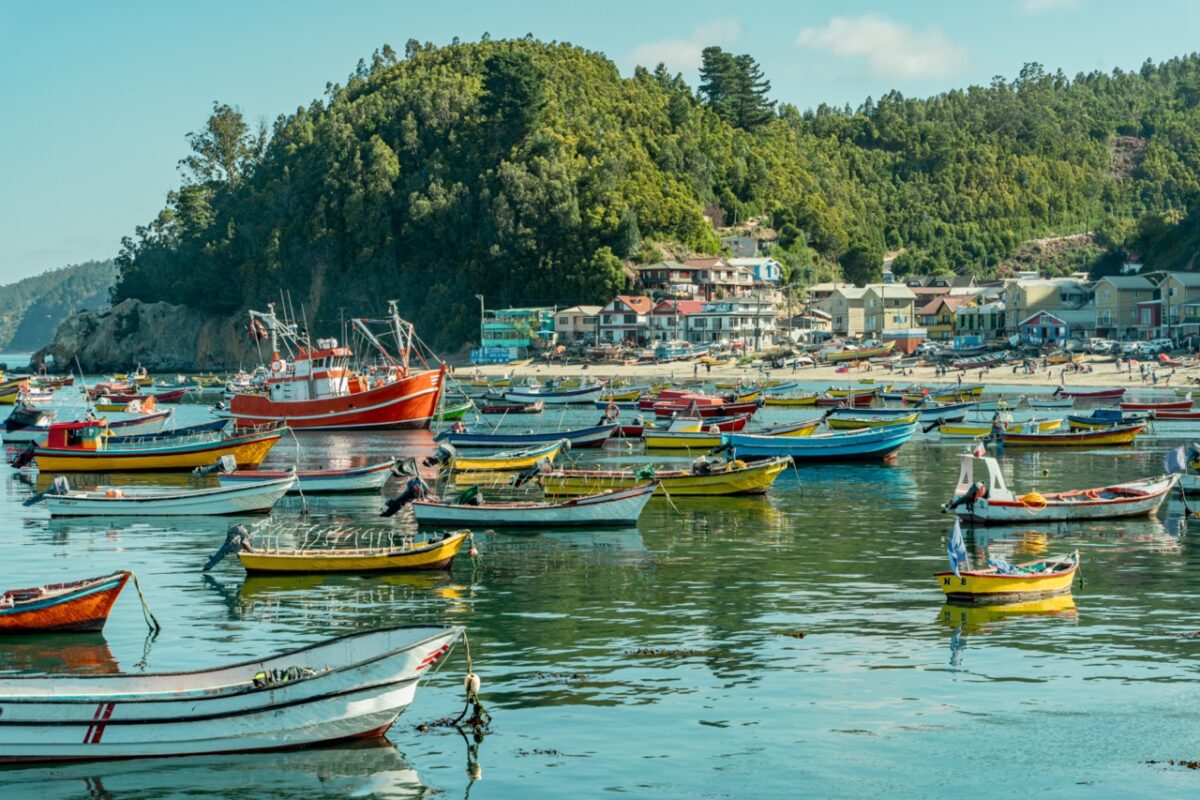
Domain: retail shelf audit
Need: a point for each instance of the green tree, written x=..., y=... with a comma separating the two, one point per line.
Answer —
x=225, y=149
x=862, y=264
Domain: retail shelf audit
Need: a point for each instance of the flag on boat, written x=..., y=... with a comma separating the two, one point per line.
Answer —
x=1175, y=460
x=956, y=549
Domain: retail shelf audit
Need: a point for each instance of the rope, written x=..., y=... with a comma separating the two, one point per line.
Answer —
x=667, y=495
x=146, y=613
x=481, y=717
x=303, y=499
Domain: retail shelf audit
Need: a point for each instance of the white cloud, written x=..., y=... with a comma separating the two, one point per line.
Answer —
x=892, y=49
x=683, y=55
x=1042, y=6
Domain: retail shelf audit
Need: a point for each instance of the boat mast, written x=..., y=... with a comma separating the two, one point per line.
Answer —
x=403, y=334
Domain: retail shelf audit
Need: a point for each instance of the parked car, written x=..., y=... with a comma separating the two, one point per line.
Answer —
x=1131, y=348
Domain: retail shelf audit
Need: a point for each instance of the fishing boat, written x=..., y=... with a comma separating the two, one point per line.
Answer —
x=81, y=447
x=978, y=430
x=857, y=398
x=790, y=401
x=1179, y=405
x=849, y=422
x=514, y=408
x=254, y=497
x=370, y=478
x=312, y=387
x=625, y=394
x=867, y=444
x=594, y=436
x=731, y=479
x=982, y=496
x=455, y=411
x=1010, y=583
x=697, y=425
x=27, y=423
x=849, y=354
x=115, y=401
x=893, y=413
x=610, y=508
x=1086, y=394
x=212, y=430
x=73, y=606
x=1049, y=403
x=584, y=394
x=1113, y=435
x=11, y=388
x=943, y=412
x=1102, y=418
x=1160, y=416
x=349, y=687
x=505, y=462
x=433, y=553
x=707, y=439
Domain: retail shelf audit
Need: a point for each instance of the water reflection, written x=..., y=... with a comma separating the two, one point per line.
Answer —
x=75, y=653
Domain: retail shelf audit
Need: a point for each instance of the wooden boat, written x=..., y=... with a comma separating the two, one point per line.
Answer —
x=1177, y=415
x=437, y=552
x=349, y=687
x=370, y=478
x=978, y=430
x=864, y=444
x=1043, y=403
x=201, y=431
x=858, y=355
x=513, y=408
x=1093, y=394
x=894, y=413
x=74, y=606
x=253, y=497
x=27, y=423
x=507, y=462
x=1179, y=405
x=789, y=401
x=706, y=439
x=315, y=389
x=1104, y=418
x=1113, y=435
x=734, y=478
x=610, y=508
x=594, y=436
x=858, y=398
x=456, y=411
x=671, y=409
x=584, y=394
x=81, y=447
x=982, y=496
x=1028, y=581
x=847, y=422
x=11, y=388
x=688, y=425
x=627, y=394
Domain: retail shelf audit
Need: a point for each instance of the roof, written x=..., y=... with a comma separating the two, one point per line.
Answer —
x=984, y=308
x=1128, y=281
x=1186, y=278
x=638, y=303
x=850, y=292
x=657, y=265
x=895, y=291
x=705, y=262
x=1041, y=314
x=683, y=307
x=752, y=262
x=590, y=311
x=953, y=301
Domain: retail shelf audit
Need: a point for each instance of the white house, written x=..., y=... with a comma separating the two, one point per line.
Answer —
x=745, y=320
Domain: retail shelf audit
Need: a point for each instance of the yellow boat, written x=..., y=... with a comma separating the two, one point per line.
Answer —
x=749, y=397
x=854, y=423
x=619, y=397
x=737, y=477
x=434, y=553
x=698, y=440
x=977, y=430
x=858, y=391
x=1027, y=581
x=511, y=461
x=715, y=362
x=524, y=362
x=9, y=390
x=797, y=400
x=858, y=355
x=1107, y=436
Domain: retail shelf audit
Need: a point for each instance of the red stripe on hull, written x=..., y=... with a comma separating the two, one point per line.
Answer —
x=408, y=403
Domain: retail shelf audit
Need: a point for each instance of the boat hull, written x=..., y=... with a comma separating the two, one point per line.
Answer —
x=249, y=498
x=870, y=444
x=1146, y=501
x=506, y=461
x=753, y=478
x=584, y=437
x=585, y=395
x=248, y=451
x=81, y=610
x=432, y=556
x=1113, y=435
x=360, y=479
x=406, y=403
x=990, y=588
x=621, y=508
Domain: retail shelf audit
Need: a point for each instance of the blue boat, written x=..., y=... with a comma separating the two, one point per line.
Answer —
x=943, y=412
x=862, y=445
x=216, y=427
x=624, y=405
x=1109, y=416
x=584, y=437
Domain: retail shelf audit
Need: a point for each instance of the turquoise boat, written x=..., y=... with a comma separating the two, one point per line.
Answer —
x=870, y=412
x=862, y=445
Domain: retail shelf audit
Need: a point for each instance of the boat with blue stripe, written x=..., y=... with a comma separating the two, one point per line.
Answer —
x=862, y=445
x=594, y=436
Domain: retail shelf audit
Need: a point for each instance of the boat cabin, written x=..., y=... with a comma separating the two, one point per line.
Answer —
x=313, y=374
x=81, y=435
x=987, y=470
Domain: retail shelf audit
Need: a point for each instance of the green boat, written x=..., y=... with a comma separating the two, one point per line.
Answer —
x=457, y=411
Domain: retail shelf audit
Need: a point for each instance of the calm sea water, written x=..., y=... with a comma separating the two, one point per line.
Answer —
x=788, y=645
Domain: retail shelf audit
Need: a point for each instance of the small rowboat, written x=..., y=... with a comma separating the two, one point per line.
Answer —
x=204, y=431
x=1104, y=418
x=1111, y=435
x=456, y=411
x=583, y=437
x=584, y=394
x=694, y=440
x=864, y=444
x=517, y=459
x=982, y=496
x=943, y=411
x=869, y=412
x=1176, y=415
x=1021, y=582
x=254, y=497
x=370, y=478
x=977, y=430
x=790, y=401
x=75, y=606
x=673, y=408
x=846, y=422
x=437, y=552
x=1050, y=403
x=858, y=355
x=735, y=478
x=613, y=508
x=1083, y=394
x=1179, y=405
x=858, y=398
x=513, y=408
x=349, y=687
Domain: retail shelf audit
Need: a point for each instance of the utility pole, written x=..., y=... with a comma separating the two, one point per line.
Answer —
x=479, y=297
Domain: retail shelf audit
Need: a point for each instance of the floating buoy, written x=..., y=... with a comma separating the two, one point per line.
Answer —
x=471, y=683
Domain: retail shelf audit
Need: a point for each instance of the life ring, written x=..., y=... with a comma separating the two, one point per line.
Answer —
x=612, y=411
x=277, y=366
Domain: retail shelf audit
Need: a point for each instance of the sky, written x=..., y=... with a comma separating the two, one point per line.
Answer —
x=96, y=98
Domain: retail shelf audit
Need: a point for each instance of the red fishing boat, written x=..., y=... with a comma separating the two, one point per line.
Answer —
x=1178, y=405
x=859, y=399
x=723, y=424
x=694, y=408
x=1179, y=415
x=1085, y=395
x=75, y=606
x=513, y=408
x=312, y=385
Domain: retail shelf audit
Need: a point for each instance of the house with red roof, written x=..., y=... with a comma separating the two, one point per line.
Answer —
x=669, y=319
x=626, y=320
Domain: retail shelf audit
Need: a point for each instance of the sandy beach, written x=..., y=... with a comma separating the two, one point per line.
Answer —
x=1104, y=374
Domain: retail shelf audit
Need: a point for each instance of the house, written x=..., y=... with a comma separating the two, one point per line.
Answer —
x=764, y=270
x=809, y=326
x=1178, y=289
x=626, y=320
x=1150, y=318
x=741, y=245
x=887, y=308
x=668, y=320
x=746, y=321
x=717, y=279
x=669, y=279
x=1043, y=327
x=937, y=316
x=1024, y=297
x=1117, y=297
x=577, y=324
x=512, y=333
x=845, y=306
x=976, y=324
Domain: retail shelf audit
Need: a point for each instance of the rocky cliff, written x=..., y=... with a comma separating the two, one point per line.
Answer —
x=159, y=336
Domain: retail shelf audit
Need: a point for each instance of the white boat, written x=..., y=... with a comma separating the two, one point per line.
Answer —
x=33, y=428
x=345, y=688
x=257, y=497
x=584, y=394
x=982, y=496
x=621, y=507
x=370, y=478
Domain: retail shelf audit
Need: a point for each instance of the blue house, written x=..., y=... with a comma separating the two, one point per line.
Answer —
x=766, y=270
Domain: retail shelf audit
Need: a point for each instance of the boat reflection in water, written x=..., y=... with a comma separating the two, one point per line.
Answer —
x=367, y=768
x=55, y=653
x=967, y=620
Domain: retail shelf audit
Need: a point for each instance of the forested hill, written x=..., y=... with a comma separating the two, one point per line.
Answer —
x=31, y=309
x=529, y=172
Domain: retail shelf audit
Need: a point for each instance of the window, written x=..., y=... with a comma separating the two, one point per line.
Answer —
x=564, y=321
x=631, y=319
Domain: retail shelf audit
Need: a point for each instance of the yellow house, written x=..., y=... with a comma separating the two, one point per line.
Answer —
x=845, y=308
x=1178, y=291
x=887, y=307
x=1117, y=297
x=938, y=315
x=1023, y=298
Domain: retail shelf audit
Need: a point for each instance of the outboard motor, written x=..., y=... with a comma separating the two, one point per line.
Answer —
x=24, y=457
x=977, y=492
x=225, y=464
x=405, y=467
x=542, y=467
x=444, y=455
x=60, y=486
x=236, y=540
x=414, y=490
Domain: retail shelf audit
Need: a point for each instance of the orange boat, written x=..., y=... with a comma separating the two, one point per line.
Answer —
x=75, y=606
x=312, y=386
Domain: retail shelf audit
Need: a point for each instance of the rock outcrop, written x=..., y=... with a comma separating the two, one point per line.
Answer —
x=159, y=336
